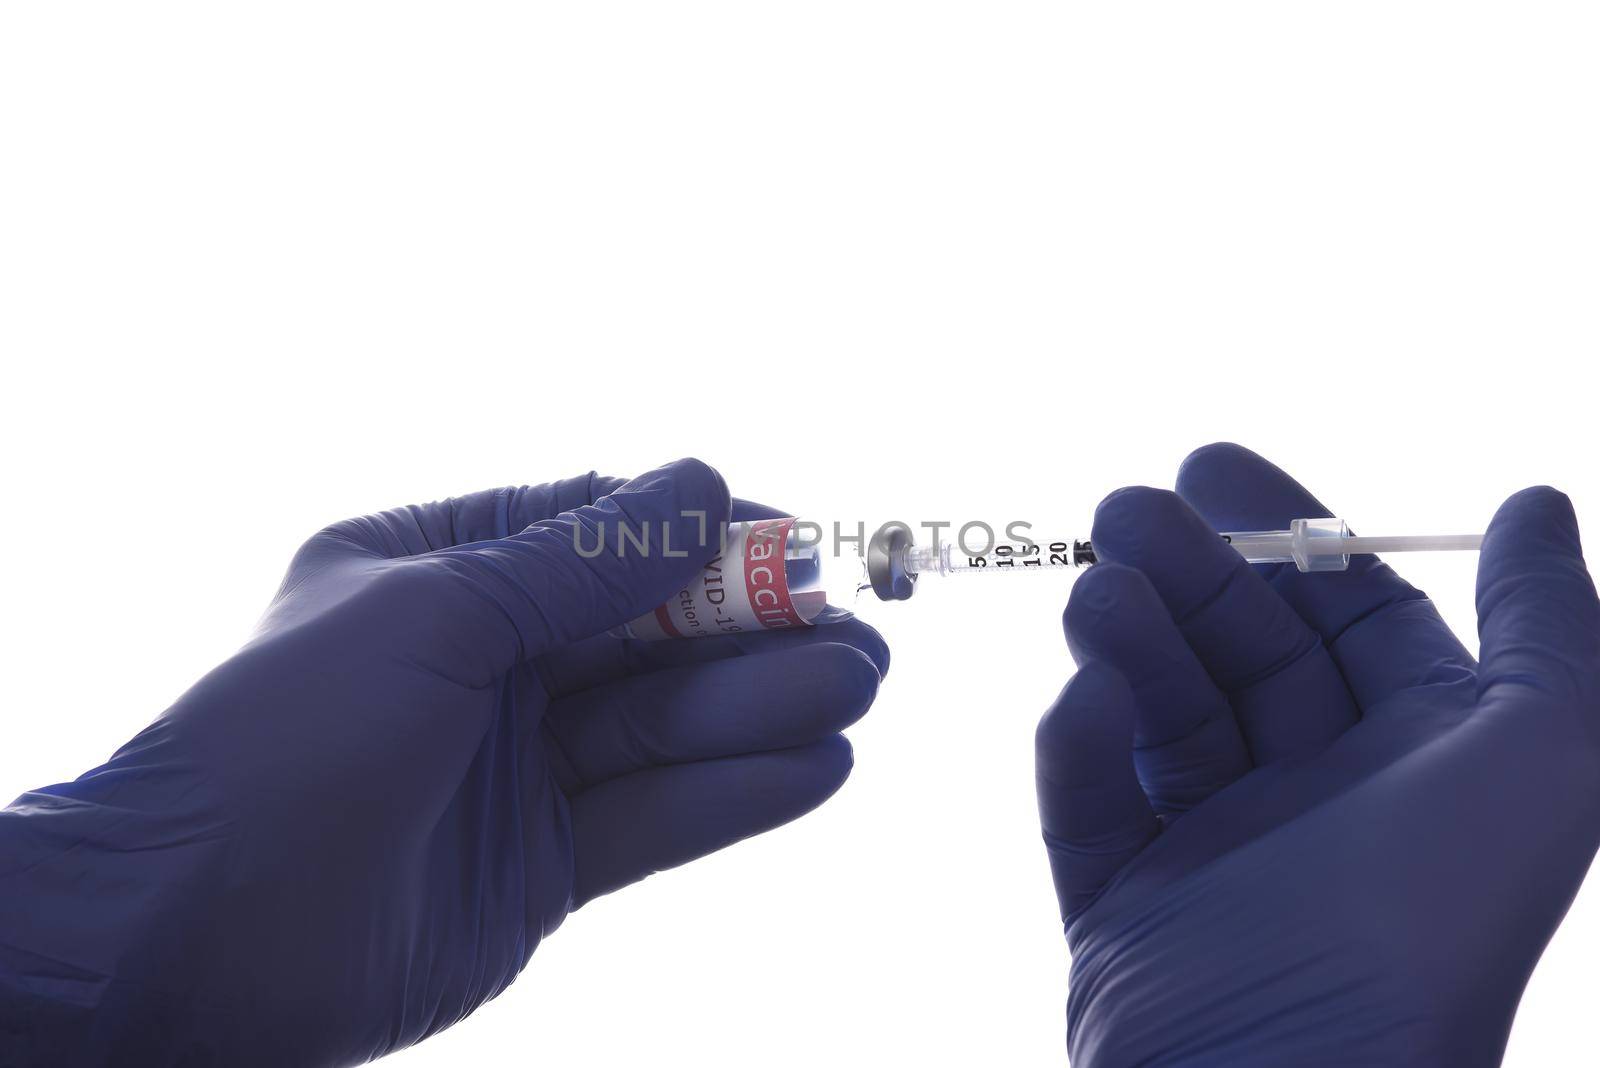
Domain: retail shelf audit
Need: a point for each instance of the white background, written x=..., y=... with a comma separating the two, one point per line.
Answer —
x=265, y=266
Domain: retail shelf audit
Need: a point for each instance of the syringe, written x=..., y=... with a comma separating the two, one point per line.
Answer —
x=894, y=562
x=773, y=574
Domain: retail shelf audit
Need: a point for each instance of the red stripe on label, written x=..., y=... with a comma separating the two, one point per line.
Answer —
x=766, y=583
x=664, y=618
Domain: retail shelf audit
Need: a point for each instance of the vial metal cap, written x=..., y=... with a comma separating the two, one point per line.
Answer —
x=886, y=564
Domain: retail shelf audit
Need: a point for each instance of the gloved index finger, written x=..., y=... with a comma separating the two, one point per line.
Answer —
x=592, y=567
x=485, y=515
x=1383, y=633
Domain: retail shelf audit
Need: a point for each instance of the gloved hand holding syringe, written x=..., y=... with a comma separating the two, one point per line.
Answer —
x=743, y=588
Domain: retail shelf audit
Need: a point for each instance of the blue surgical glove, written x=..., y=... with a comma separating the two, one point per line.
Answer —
x=358, y=829
x=1290, y=820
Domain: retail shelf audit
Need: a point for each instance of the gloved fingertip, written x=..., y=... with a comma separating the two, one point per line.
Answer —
x=798, y=780
x=691, y=471
x=866, y=640
x=1090, y=722
x=842, y=679
x=1234, y=488
x=835, y=758
x=1219, y=460
x=1217, y=454
x=1534, y=533
x=1096, y=596
x=1533, y=537
x=1098, y=600
x=1536, y=518
x=693, y=479
x=687, y=484
x=1215, y=474
x=1134, y=521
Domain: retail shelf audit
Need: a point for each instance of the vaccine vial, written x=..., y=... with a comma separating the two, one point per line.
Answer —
x=770, y=574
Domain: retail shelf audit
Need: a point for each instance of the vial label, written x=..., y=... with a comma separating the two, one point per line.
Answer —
x=744, y=588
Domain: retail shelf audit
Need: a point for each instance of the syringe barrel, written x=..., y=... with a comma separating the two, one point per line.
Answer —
x=1262, y=546
x=894, y=563
x=1002, y=556
x=1308, y=544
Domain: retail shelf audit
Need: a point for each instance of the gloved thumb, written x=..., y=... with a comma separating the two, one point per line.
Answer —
x=586, y=570
x=1538, y=618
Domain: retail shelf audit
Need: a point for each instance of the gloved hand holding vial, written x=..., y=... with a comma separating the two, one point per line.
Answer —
x=359, y=828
